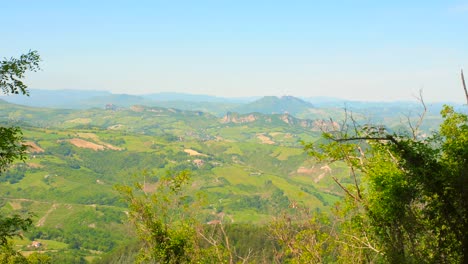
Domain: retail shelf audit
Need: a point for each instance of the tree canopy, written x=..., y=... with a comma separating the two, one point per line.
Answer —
x=13, y=70
x=410, y=191
x=12, y=73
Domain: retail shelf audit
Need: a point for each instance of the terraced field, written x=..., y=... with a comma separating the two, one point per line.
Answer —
x=249, y=170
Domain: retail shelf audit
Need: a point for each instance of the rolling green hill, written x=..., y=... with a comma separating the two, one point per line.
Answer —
x=247, y=166
x=249, y=171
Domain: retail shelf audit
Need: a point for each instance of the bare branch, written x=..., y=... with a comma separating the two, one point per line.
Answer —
x=356, y=130
x=355, y=182
x=421, y=116
x=464, y=86
x=212, y=242
x=344, y=189
x=366, y=244
x=246, y=258
x=351, y=166
x=226, y=241
x=344, y=126
x=387, y=138
x=415, y=127
x=410, y=124
x=363, y=155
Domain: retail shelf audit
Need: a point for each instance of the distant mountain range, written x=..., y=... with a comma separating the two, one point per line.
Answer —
x=166, y=96
x=312, y=107
x=81, y=99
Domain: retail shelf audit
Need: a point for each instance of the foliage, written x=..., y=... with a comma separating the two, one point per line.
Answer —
x=166, y=225
x=412, y=200
x=165, y=239
x=14, y=175
x=68, y=257
x=13, y=226
x=12, y=71
x=11, y=74
x=39, y=258
x=124, y=254
x=305, y=236
x=236, y=166
x=11, y=148
x=301, y=238
x=10, y=256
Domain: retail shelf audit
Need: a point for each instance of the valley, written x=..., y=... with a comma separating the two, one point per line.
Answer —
x=248, y=166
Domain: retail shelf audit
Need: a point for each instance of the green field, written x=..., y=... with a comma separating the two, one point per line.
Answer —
x=250, y=171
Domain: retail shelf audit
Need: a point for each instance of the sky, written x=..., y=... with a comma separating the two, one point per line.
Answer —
x=356, y=50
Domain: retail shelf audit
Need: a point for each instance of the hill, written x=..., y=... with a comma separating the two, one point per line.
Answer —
x=55, y=98
x=276, y=105
x=247, y=166
x=246, y=170
x=182, y=97
x=307, y=108
x=81, y=99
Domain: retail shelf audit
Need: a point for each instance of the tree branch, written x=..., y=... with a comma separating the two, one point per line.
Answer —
x=344, y=189
x=464, y=86
x=386, y=138
x=415, y=129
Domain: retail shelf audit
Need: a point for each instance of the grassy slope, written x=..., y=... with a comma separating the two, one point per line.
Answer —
x=70, y=189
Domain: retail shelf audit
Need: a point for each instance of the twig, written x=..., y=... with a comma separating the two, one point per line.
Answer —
x=366, y=243
x=246, y=258
x=356, y=131
x=464, y=86
x=351, y=166
x=212, y=242
x=355, y=181
x=226, y=241
x=421, y=116
x=361, y=158
x=387, y=138
x=345, y=123
x=344, y=189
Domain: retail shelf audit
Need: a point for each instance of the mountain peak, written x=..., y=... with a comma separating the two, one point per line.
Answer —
x=277, y=105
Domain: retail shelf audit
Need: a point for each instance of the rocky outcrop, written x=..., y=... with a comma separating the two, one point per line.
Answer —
x=238, y=119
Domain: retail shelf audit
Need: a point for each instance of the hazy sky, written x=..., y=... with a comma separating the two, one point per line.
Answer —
x=364, y=50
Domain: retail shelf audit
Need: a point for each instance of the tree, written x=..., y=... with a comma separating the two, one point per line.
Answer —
x=409, y=198
x=157, y=219
x=165, y=219
x=12, y=71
